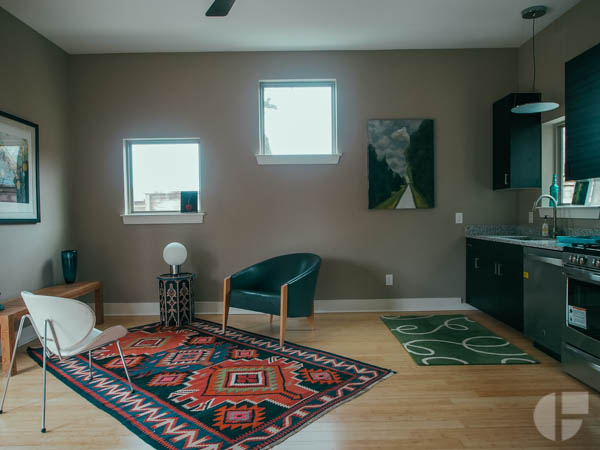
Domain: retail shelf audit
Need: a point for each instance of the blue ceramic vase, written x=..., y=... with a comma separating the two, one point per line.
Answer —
x=69, y=265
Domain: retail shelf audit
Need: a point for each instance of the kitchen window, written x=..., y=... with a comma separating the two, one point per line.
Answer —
x=566, y=187
x=157, y=171
x=298, y=122
x=582, y=193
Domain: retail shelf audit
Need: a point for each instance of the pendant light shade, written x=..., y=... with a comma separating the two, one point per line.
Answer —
x=533, y=108
x=532, y=13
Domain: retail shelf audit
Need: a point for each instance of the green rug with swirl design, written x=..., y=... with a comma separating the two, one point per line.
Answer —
x=442, y=340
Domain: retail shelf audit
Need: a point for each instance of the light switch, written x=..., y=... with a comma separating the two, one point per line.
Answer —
x=459, y=217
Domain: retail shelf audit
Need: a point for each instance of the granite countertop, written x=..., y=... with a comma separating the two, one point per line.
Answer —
x=508, y=234
x=548, y=244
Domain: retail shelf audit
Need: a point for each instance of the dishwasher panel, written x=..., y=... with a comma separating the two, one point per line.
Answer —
x=545, y=298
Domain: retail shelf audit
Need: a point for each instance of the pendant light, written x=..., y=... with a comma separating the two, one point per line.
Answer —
x=532, y=13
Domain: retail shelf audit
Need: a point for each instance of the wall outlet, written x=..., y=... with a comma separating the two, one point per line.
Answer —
x=459, y=217
x=530, y=216
x=389, y=279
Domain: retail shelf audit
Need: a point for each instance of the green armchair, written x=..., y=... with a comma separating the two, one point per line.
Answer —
x=284, y=286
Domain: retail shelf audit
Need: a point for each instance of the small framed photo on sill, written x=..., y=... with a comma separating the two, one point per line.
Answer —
x=580, y=194
x=189, y=201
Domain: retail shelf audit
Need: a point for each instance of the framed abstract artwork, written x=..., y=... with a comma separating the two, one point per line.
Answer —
x=19, y=171
x=401, y=164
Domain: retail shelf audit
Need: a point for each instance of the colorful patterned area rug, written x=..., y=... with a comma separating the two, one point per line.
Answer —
x=441, y=340
x=196, y=388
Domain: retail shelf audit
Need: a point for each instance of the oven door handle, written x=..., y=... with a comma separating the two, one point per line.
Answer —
x=582, y=275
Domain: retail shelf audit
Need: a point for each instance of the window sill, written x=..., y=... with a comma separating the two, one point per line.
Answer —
x=162, y=218
x=572, y=212
x=266, y=160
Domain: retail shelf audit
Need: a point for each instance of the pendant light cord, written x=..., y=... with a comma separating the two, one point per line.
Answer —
x=533, y=46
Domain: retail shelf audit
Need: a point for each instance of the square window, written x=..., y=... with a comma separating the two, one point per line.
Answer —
x=157, y=171
x=298, y=118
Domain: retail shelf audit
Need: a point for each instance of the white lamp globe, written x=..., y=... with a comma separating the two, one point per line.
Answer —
x=175, y=255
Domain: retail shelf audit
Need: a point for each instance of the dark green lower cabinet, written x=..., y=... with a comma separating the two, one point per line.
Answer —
x=495, y=280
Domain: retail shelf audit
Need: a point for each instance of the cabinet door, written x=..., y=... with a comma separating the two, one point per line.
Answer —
x=582, y=97
x=495, y=280
x=473, y=273
x=509, y=284
x=501, y=142
x=479, y=275
x=526, y=150
x=516, y=144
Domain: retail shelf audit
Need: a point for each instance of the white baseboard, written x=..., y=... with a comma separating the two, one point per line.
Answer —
x=321, y=306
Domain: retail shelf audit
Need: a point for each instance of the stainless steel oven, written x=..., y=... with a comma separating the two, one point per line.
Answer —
x=581, y=335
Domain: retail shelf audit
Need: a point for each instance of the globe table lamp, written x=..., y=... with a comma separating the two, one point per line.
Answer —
x=175, y=255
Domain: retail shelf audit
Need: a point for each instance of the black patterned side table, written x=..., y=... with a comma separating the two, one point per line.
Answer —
x=176, y=299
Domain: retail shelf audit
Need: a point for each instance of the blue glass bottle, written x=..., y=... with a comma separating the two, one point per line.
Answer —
x=554, y=189
x=69, y=265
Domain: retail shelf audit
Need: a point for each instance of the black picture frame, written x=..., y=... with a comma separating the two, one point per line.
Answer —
x=8, y=121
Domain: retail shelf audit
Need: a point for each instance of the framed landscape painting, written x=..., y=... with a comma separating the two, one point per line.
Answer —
x=401, y=164
x=19, y=177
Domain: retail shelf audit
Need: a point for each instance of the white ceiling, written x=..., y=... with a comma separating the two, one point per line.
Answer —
x=120, y=26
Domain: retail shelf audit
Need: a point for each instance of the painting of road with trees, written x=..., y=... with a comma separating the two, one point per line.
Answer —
x=401, y=164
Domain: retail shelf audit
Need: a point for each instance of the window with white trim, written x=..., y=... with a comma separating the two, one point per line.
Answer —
x=582, y=192
x=298, y=120
x=157, y=171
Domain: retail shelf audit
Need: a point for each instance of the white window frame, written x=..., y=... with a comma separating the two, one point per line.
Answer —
x=329, y=158
x=130, y=217
x=560, y=172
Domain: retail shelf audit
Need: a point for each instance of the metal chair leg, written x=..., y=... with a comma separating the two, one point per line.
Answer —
x=124, y=366
x=44, y=377
x=90, y=365
x=12, y=360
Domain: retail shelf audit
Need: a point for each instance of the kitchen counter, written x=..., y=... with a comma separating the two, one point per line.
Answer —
x=507, y=234
x=548, y=244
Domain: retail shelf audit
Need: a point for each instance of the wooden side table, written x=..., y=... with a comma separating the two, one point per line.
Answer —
x=176, y=299
x=15, y=309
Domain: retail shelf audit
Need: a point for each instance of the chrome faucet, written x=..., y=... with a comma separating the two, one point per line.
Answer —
x=535, y=205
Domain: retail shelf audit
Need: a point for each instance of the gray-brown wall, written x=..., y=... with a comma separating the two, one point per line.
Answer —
x=254, y=212
x=571, y=34
x=33, y=86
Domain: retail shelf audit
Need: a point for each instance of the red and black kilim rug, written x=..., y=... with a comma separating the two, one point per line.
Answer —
x=198, y=389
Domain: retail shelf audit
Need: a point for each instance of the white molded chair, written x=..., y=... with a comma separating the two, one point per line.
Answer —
x=71, y=324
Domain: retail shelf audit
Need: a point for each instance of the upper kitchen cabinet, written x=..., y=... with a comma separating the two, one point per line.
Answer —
x=582, y=110
x=517, y=144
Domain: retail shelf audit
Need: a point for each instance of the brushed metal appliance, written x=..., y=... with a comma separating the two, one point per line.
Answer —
x=544, y=288
x=581, y=333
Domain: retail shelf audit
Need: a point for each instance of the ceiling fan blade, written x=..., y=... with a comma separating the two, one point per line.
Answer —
x=220, y=8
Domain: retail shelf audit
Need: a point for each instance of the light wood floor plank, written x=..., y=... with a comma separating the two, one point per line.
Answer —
x=449, y=407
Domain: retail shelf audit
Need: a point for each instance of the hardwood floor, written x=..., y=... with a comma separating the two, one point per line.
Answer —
x=444, y=407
